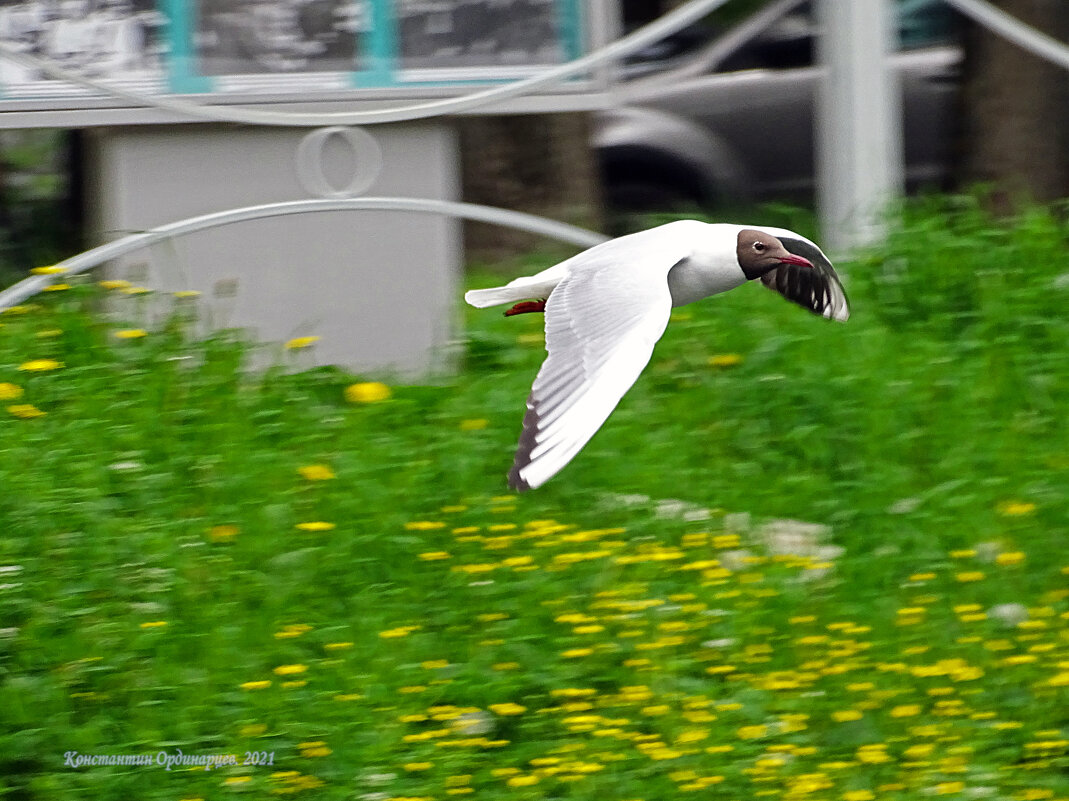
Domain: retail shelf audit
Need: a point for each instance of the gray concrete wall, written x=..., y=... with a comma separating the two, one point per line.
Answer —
x=379, y=288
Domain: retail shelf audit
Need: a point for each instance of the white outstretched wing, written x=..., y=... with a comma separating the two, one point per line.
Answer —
x=602, y=322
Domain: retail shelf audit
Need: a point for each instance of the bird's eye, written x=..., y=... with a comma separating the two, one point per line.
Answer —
x=759, y=246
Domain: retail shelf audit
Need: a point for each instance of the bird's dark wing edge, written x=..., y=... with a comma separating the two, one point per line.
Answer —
x=816, y=289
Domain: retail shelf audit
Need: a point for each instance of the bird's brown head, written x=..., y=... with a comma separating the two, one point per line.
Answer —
x=758, y=252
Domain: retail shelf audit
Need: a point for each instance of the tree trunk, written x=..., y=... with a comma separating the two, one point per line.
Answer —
x=1016, y=109
x=541, y=164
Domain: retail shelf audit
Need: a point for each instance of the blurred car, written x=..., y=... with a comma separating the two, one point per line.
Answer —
x=733, y=120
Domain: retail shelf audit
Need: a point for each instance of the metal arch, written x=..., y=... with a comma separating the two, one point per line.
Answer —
x=522, y=221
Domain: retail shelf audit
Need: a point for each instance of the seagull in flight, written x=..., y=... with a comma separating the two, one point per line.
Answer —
x=606, y=307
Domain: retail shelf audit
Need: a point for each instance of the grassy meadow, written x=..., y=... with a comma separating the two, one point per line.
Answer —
x=802, y=560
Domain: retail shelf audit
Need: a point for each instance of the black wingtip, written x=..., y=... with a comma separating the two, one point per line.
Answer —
x=524, y=448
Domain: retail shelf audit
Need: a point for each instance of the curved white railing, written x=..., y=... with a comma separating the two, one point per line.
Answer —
x=532, y=223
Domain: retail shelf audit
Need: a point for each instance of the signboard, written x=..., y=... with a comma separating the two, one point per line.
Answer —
x=271, y=50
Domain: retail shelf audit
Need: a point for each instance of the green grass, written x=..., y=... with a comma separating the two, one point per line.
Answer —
x=445, y=638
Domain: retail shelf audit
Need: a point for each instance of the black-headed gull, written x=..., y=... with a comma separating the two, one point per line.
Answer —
x=607, y=307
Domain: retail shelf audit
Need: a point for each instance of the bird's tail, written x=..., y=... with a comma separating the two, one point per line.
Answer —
x=495, y=296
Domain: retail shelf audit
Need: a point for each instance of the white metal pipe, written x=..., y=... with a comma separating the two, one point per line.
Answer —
x=532, y=223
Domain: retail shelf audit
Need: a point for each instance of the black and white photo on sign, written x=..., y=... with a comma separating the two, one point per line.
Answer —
x=236, y=37
x=111, y=39
x=448, y=34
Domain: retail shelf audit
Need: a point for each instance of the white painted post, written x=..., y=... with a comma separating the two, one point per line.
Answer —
x=859, y=121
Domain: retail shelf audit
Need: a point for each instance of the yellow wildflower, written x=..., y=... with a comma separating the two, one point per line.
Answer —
x=474, y=425
x=130, y=333
x=26, y=411
x=154, y=624
x=723, y=360
x=10, y=392
x=316, y=525
x=52, y=270
x=223, y=533
x=367, y=392
x=435, y=556
x=290, y=670
x=523, y=781
x=1009, y=558
x=413, y=767
x=752, y=732
x=114, y=284
x=40, y=365
x=507, y=709
x=1016, y=508
x=256, y=685
x=401, y=631
x=55, y=287
x=301, y=342
x=185, y=294
x=316, y=472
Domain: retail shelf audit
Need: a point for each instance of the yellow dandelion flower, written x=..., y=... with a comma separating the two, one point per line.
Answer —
x=414, y=767
x=505, y=666
x=724, y=360
x=752, y=732
x=25, y=411
x=130, y=333
x=135, y=290
x=401, y=631
x=1016, y=508
x=292, y=685
x=61, y=287
x=424, y=525
x=10, y=392
x=858, y=795
x=223, y=533
x=367, y=392
x=507, y=709
x=114, y=284
x=575, y=653
x=186, y=294
x=844, y=715
x=292, y=630
x=154, y=624
x=474, y=425
x=297, y=343
x=340, y=697
x=434, y=664
x=316, y=525
x=963, y=553
x=523, y=781
x=253, y=730
x=338, y=646
x=290, y=670
x=969, y=575
x=949, y=788
x=435, y=556
x=905, y=711
x=40, y=365
x=315, y=749
x=256, y=685
x=1009, y=558
x=52, y=270
x=236, y=780
x=316, y=472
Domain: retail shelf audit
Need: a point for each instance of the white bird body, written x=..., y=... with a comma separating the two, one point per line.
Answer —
x=607, y=307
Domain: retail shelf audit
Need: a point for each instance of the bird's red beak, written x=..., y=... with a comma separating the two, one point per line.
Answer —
x=790, y=258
